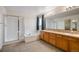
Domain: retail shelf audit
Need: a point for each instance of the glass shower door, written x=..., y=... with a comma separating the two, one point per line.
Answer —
x=11, y=28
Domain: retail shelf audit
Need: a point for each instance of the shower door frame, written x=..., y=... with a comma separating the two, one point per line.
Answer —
x=4, y=26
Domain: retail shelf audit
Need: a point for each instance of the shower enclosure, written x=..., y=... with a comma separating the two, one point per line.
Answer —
x=13, y=28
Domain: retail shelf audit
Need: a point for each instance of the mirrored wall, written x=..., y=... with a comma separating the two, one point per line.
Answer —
x=66, y=23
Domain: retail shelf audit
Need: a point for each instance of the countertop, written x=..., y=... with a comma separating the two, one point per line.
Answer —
x=64, y=32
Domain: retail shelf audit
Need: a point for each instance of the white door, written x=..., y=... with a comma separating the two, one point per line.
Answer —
x=21, y=28
x=11, y=28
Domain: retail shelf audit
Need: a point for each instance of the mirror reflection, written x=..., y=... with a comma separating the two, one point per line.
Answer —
x=65, y=24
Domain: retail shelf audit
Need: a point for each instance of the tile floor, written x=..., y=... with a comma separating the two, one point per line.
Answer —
x=34, y=46
x=30, y=46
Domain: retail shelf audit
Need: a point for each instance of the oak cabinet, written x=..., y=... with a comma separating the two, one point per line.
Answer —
x=62, y=42
x=59, y=41
x=52, y=38
x=74, y=45
x=45, y=36
x=66, y=43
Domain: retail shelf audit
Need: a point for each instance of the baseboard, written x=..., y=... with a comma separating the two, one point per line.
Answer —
x=12, y=42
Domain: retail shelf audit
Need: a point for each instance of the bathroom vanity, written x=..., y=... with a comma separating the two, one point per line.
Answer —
x=62, y=39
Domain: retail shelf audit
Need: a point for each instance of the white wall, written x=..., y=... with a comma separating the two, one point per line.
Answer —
x=2, y=12
x=30, y=25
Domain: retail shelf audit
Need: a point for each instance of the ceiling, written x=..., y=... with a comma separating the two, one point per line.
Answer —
x=32, y=10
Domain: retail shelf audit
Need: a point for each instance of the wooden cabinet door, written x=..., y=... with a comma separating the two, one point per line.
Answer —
x=62, y=42
x=74, y=45
x=52, y=38
x=65, y=43
x=46, y=38
x=59, y=41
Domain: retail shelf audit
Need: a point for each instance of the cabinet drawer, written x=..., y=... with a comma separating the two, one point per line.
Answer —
x=51, y=35
x=58, y=35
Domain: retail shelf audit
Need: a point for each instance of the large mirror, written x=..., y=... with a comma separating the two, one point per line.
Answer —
x=72, y=24
x=65, y=24
x=68, y=24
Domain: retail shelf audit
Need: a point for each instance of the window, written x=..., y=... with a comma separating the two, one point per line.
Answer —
x=40, y=22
